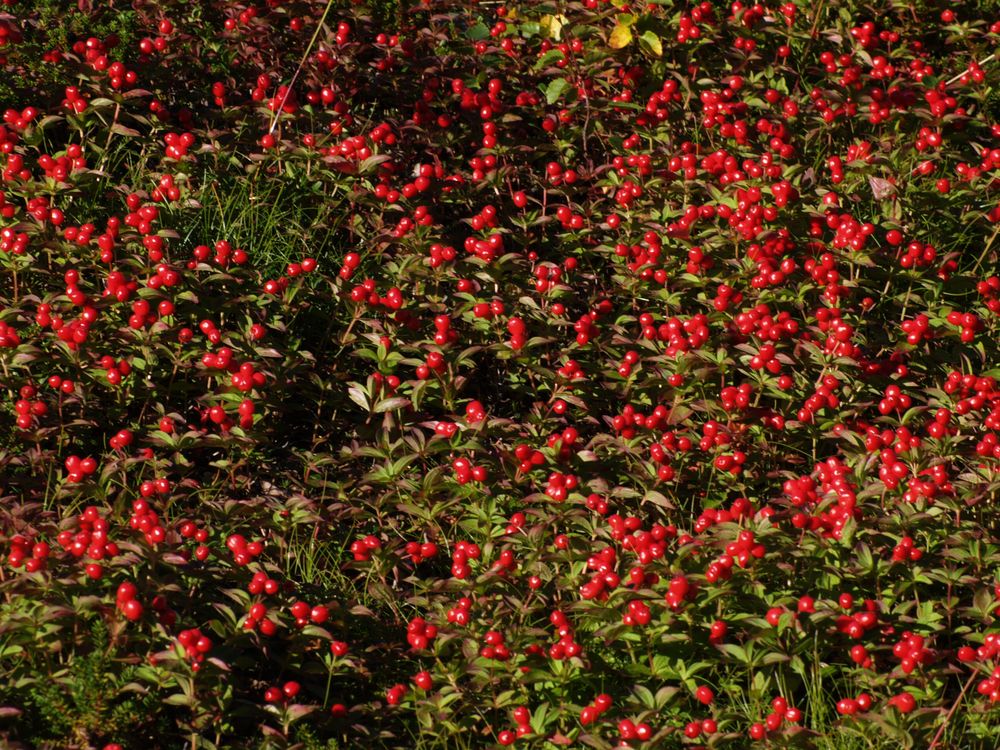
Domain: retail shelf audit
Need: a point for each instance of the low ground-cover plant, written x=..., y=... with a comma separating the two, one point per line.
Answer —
x=446, y=374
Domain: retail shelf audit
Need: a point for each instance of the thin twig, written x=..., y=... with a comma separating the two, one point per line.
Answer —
x=989, y=244
x=988, y=58
x=298, y=70
x=954, y=706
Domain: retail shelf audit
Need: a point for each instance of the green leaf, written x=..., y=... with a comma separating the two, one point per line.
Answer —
x=391, y=404
x=735, y=651
x=478, y=32
x=645, y=696
x=530, y=28
x=358, y=396
x=550, y=57
x=650, y=44
x=555, y=90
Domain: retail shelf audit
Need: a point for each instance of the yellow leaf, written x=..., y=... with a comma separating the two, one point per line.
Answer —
x=621, y=36
x=552, y=25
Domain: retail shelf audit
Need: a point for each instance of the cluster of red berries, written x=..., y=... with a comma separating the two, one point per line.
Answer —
x=918, y=329
x=504, y=563
x=195, y=644
x=257, y=619
x=736, y=398
x=441, y=254
x=190, y=530
x=522, y=717
x=834, y=478
x=906, y=551
x=726, y=297
x=145, y=520
x=115, y=371
x=739, y=509
x=90, y=540
x=893, y=400
x=855, y=625
x=459, y=614
x=905, y=702
x=282, y=694
x=394, y=695
x=592, y=712
x=144, y=315
x=647, y=546
x=178, y=144
x=680, y=335
x=989, y=290
x=15, y=168
x=60, y=167
x=912, y=651
x=637, y=613
x=74, y=101
x=77, y=469
x=630, y=730
x=31, y=554
x=41, y=211
x=694, y=729
x=495, y=647
x=366, y=293
x=305, y=614
x=560, y=485
x=166, y=190
x=936, y=483
x=969, y=323
x=13, y=242
x=418, y=552
x=246, y=378
x=419, y=633
x=434, y=362
x=243, y=551
x=121, y=440
x=119, y=286
x=604, y=578
x=19, y=120
x=918, y=255
x=363, y=548
x=464, y=551
x=27, y=410
x=444, y=333
x=739, y=553
x=126, y=601
x=141, y=217
x=781, y=713
x=597, y=504
x=225, y=255
x=678, y=591
x=645, y=262
x=891, y=469
x=475, y=412
x=487, y=249
x=851, y=706
x=466, y=471
x=529, y=458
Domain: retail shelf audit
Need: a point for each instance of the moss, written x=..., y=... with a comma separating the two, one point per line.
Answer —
x=85, y=703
